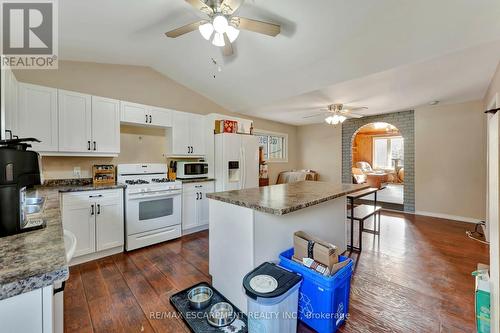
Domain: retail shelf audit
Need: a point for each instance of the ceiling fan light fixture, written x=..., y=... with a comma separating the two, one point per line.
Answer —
x=335, y=119
x=220, y=24
x=206, y=30
x=232, y=33
x=218, y=40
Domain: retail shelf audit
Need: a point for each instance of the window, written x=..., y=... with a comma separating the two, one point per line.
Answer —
x=386, y=150
x=274, y=146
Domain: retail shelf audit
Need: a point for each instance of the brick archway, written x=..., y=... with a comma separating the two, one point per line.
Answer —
x=405, y=122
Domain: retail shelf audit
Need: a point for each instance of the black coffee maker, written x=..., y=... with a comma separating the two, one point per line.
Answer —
x=19, y=170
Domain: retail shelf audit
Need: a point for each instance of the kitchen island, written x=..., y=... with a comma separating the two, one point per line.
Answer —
x=250, y=226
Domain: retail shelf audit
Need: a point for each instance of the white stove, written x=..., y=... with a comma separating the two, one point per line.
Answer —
x=152, y=204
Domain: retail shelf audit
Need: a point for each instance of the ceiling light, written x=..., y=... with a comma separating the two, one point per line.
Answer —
x=220, y=24
x=206, y=30
x=434, y=103
x=232, y=33
x=218, y=39
x=335, y=119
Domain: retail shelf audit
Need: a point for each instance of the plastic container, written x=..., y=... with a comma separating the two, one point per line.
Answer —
x=273, y=295
x=323, y=301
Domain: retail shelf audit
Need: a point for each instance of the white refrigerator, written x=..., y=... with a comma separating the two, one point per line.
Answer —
x=236, y=161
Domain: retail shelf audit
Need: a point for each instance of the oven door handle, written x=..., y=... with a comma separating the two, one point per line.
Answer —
x=153, y=195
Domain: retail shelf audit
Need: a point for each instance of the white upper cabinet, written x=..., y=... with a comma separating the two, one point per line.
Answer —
x=160, y=117
x=187, y=135
x=105, y=125
x=133, y=113
x=75, y=121
x=197, y=133
x=37, y=116
x=139, y=114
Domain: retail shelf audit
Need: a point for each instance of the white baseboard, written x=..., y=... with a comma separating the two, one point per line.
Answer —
x=195, y=229
x=448, y=217
x=96, y=255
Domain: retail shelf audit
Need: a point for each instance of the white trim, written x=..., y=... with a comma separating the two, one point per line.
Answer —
x=285, y=148
x=96, y=255
x=447, y=216
x=186, y=232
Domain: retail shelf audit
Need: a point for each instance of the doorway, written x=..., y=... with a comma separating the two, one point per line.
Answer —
x=404, y=122
x=378, y=159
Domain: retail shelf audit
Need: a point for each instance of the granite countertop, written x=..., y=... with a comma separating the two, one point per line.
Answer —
x=78, y=185
x=198, y=180
x=37, y=258
x=286, y=198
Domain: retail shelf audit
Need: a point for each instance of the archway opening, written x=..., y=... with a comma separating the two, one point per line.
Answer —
x=378, y=159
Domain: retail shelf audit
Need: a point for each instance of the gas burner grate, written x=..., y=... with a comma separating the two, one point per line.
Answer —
x=136, y=182
x=161, y=180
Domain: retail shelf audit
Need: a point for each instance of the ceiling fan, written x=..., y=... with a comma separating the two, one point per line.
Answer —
x=337, y=113
x=221, y=23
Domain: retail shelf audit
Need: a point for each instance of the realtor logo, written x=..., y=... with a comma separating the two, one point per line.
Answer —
x=29, y=34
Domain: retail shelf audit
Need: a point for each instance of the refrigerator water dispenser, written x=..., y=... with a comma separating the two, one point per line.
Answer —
x=233, y=171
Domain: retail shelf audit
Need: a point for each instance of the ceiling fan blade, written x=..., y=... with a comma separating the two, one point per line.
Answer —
x=228, y=7
x=228, y=48
x=265, y=28
x=313, y=115
x=352, y=115
x=355, y=108
x=200, y=5
x=184, y=29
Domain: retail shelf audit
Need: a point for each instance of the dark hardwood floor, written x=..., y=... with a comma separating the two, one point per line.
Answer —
x=414, y=278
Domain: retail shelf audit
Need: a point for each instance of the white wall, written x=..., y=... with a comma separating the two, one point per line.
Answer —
x=450, y=160
x=320, y=149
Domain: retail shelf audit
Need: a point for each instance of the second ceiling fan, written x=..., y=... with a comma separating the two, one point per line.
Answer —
x=222, y=26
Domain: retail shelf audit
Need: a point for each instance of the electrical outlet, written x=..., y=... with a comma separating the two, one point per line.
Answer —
x=77, y=172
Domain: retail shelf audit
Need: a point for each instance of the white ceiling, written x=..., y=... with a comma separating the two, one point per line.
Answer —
x=386, y=54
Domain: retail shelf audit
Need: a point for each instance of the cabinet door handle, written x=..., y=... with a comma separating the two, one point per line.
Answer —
x=146, y=119
x=98, y=209
x=88, y=145
x=95, y=196
x=201, y=195
x=150, y=119
x=91, y=209
x=95, y=145
x=197, y=195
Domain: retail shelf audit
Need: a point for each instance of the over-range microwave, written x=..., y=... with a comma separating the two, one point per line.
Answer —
x=189, y=170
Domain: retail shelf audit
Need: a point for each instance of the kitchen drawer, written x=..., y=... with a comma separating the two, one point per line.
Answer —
x=77, y=198
x=152, y=237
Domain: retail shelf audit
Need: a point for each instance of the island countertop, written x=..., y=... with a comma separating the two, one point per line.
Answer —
x=286, y=198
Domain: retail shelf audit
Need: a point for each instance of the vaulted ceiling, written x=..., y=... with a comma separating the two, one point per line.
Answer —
x=388, y=55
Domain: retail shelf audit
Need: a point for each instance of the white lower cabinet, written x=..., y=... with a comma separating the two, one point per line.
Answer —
x=195, y=205
x=28, y=312
x=96, y=219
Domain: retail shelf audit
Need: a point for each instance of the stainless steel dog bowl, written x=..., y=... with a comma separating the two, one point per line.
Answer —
x=221, y=314
x=200, y=297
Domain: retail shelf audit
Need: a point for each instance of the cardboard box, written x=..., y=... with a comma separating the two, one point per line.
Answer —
x=226, y=126
x=482, y=299
x=307, y=246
